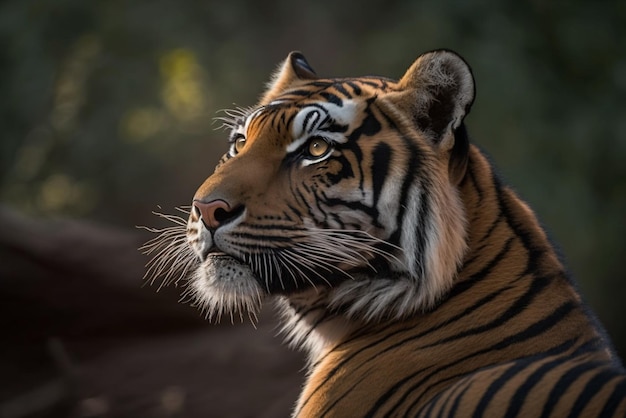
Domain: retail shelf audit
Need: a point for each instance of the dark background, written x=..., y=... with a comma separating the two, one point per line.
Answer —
x=106, y=111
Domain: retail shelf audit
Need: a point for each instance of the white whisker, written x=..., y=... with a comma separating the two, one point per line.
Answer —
x=233, y=118
x=295, y=258
x=172, y=258
x=313, y=260
x=288, y=259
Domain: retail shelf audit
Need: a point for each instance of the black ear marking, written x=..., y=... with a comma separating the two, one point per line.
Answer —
x=301, y=66
x=292, y=71
x=440, y=85
x=459, y=155
x=436, y=118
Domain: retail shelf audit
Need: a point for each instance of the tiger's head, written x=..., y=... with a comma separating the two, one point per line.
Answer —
x=342, y=192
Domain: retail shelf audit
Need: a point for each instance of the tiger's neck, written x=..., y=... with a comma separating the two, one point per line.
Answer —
x=511, y=300
x=503, y=232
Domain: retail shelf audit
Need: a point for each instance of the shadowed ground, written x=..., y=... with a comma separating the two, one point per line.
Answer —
x=81, y=338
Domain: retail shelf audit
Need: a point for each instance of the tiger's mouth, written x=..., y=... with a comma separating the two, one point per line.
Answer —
x=218, y=254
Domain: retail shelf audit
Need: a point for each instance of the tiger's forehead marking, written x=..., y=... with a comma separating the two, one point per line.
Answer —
x=317, y=119
x=251, y=117
x=244, y=123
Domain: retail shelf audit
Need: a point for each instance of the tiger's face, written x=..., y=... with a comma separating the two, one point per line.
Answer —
x=341, y=186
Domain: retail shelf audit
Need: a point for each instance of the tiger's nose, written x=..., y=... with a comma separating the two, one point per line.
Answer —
x=215, y=213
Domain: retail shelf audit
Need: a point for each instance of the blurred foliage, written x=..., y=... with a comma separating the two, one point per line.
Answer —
x=107, y=106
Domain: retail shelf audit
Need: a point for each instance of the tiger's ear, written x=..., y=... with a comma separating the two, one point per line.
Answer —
x=293, y=69
x=436, y=93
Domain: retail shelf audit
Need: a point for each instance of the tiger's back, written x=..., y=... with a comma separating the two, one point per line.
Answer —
x=419, y=284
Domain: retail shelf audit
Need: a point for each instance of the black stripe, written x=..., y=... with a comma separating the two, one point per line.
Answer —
x=331, y=407
x=320, y=83
x=535, y=252
x=355, y=206
x=472, y=177
x=495, y=386
x=519, y=367
x=431, y=405
x=291, y=118
x=515, y=309
x=323, y=318
x=341, y=89
x=452, y=395
x=617, y=396
x=390, y=392
x=479, y=250
x=318, y=200
x=367, y=127
x=304, y=310
x=519, y=397
x=595, y=385
x=280, y=228
x=295, y=211
x=457, y=400
x=308, y=116
x=531, y=331
x=370, y=125
x=565, y=381
x=538, y=327
x=374, y=84
x=464, y=285
x=302, y=93
x=415, y=160
x=421, y=229
x=355, y=87
x=481, y=302
x=345, y=171
x=332, y=98
x=493, y=226
x=296, y=191
x=306, y=187
x=318, y=105
x=336, y=127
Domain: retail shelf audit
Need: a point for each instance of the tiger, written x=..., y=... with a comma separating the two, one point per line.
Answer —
x=416, y=281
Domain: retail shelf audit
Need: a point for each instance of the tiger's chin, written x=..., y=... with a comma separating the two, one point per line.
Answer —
x=223, y=286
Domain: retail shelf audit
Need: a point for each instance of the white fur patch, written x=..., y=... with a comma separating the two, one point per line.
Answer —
x=298, y=328
x=314, y=121
x=224, y=286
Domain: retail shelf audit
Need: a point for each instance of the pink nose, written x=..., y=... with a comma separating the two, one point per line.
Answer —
x=213, y=213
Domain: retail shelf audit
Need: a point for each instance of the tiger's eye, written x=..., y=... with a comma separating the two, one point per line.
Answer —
x=240, y=143
x=318, y=147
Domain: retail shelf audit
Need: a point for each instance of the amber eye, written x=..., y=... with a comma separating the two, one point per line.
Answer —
x=318, y=147
x=240, y=143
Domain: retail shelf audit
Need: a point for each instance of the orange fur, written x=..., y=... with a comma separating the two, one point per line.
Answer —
x=419, y=284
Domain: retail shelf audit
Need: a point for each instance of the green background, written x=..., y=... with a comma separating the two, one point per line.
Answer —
x=106, y=106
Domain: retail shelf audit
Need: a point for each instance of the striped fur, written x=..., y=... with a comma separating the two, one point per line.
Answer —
x=512, y=338
x=418, y=283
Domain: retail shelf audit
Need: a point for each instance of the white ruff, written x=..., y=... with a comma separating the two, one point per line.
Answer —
x=221, y=285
